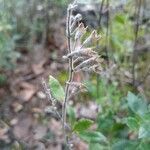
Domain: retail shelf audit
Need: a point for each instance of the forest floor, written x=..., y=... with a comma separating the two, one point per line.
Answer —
x=23, y=121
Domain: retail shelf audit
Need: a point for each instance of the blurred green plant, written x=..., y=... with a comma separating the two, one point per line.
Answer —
x=3, y=80
x=21, y=25
x=124, y=124
x=7, y=53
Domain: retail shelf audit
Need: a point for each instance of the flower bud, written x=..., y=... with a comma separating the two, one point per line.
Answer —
x=71, y=7
x=91, y=39
x=81, y=30
x=78, y=17
x=81, y=53
x=88, y=62
x=75, y=20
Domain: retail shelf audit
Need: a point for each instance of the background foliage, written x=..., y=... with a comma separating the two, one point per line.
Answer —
x=122, y=122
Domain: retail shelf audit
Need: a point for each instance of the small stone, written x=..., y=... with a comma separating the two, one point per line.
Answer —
x=17, y=107
x=41, y=95
x=55, y=108
x=71, y=145
x=14, y=121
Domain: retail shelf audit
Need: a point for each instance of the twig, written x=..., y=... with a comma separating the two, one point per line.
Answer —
x=100, y=13
x=99, y=24
x=70, y=72
x=107, y=32
x=145, y=76
x=52, y=100
x=137, y=14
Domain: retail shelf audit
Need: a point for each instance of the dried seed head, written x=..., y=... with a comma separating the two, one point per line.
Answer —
x=86, y=63
x=76, y=84
x=79, y=59
x=76, y=88
x=81, y=30
x=86, y=52
x=78, y=17
x=91, y=39
x=75, y=20
x=96, y=68
x=72, y=7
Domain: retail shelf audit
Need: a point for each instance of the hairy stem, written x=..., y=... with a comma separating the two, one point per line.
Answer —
x=70, y=71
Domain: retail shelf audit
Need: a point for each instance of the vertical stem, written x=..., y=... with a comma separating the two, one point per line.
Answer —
x=99, y=25
x=107, y=32
x=100, y=12
x=137, y=14
x=70, y=71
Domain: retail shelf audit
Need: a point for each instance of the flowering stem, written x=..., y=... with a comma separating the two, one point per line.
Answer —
x=70, y=78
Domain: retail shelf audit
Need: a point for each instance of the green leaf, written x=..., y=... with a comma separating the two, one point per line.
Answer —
x=120, y=18
x=72, y=115
x=82, y=125
x=97, y=146
x=56, y=88
x=146, y=117
x=124, y=145
x=136, y=104
x=132, y=123
x=144, y=131
x=93, y=136
x=144, y=145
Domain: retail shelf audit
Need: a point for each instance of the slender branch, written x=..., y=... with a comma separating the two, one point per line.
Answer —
x=145, y=76
x=107, y=32
x=99, y=25
x=48, y=93
x=137, y=14
x=70, y=78
x=52, y=100
x=100, y=12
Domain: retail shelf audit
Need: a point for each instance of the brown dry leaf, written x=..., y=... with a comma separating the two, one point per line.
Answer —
x=38, y=68
x=55, y=147
x=14, y=121
x=39, y=146
x=4, y=135
x=36, y=110
x=2, y=92
x=3, y=131
x=89, y=111
x=80, y=146
x=40, y=132
x=78, y=77
x=22, y=129
x=56, y=127
x=17, y=107
x=28, y=90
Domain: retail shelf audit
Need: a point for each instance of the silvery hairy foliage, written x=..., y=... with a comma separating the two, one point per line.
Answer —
x=81, y=56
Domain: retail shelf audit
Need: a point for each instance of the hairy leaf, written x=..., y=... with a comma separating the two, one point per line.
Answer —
x=144, y=131
x=132, y=123
x=57, y=90
x=82, y=125
x=136, y=104
x=93, y=136
x=123, y=144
